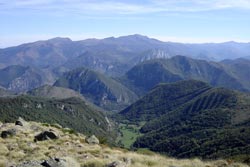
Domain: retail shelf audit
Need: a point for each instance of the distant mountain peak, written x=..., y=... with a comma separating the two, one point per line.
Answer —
x=135, y=36
x=60, y=39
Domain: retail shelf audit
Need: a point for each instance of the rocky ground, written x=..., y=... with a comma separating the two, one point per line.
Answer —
x=32, y=144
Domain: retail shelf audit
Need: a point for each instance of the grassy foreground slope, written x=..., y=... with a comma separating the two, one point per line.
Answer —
x=72, y=149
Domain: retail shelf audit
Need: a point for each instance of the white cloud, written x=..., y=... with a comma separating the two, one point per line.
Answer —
x=95, y=7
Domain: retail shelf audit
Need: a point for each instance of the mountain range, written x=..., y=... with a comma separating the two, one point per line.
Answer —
x=113, y=56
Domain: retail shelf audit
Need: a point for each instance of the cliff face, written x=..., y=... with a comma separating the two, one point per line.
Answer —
x=27, y=144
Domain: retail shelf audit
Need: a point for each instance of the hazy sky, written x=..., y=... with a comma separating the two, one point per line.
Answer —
x=168, y=20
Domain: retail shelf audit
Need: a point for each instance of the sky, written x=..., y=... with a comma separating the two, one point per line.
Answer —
x=187, y=21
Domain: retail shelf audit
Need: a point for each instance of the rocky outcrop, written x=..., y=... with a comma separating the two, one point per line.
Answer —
x=46, y=135
x=92, y=140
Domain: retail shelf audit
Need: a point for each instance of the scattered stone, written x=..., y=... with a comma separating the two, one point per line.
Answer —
x=53, y=162
x=8, y=133
x=46, y=135
x=30, y=164
x=116, y=164
x=92, y=140
x=21, y=122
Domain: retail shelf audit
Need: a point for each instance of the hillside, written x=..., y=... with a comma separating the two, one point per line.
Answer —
x=97, y=88
x=54, y=92
x=162, y=99
x=192, y=119
x=72, y=112
x=48, y=91
x=146, y=75
x=240, y=69
x=30, y=144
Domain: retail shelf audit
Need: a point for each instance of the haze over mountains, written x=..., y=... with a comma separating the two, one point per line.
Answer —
x=113, y=55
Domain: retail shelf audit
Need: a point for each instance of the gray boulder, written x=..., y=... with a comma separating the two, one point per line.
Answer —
x=46, y=135
x=92, y=140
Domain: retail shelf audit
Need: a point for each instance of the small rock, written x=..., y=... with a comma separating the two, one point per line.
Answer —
x=92, y=140
x=21, y=122
x=46, y=135
x=8, y=133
